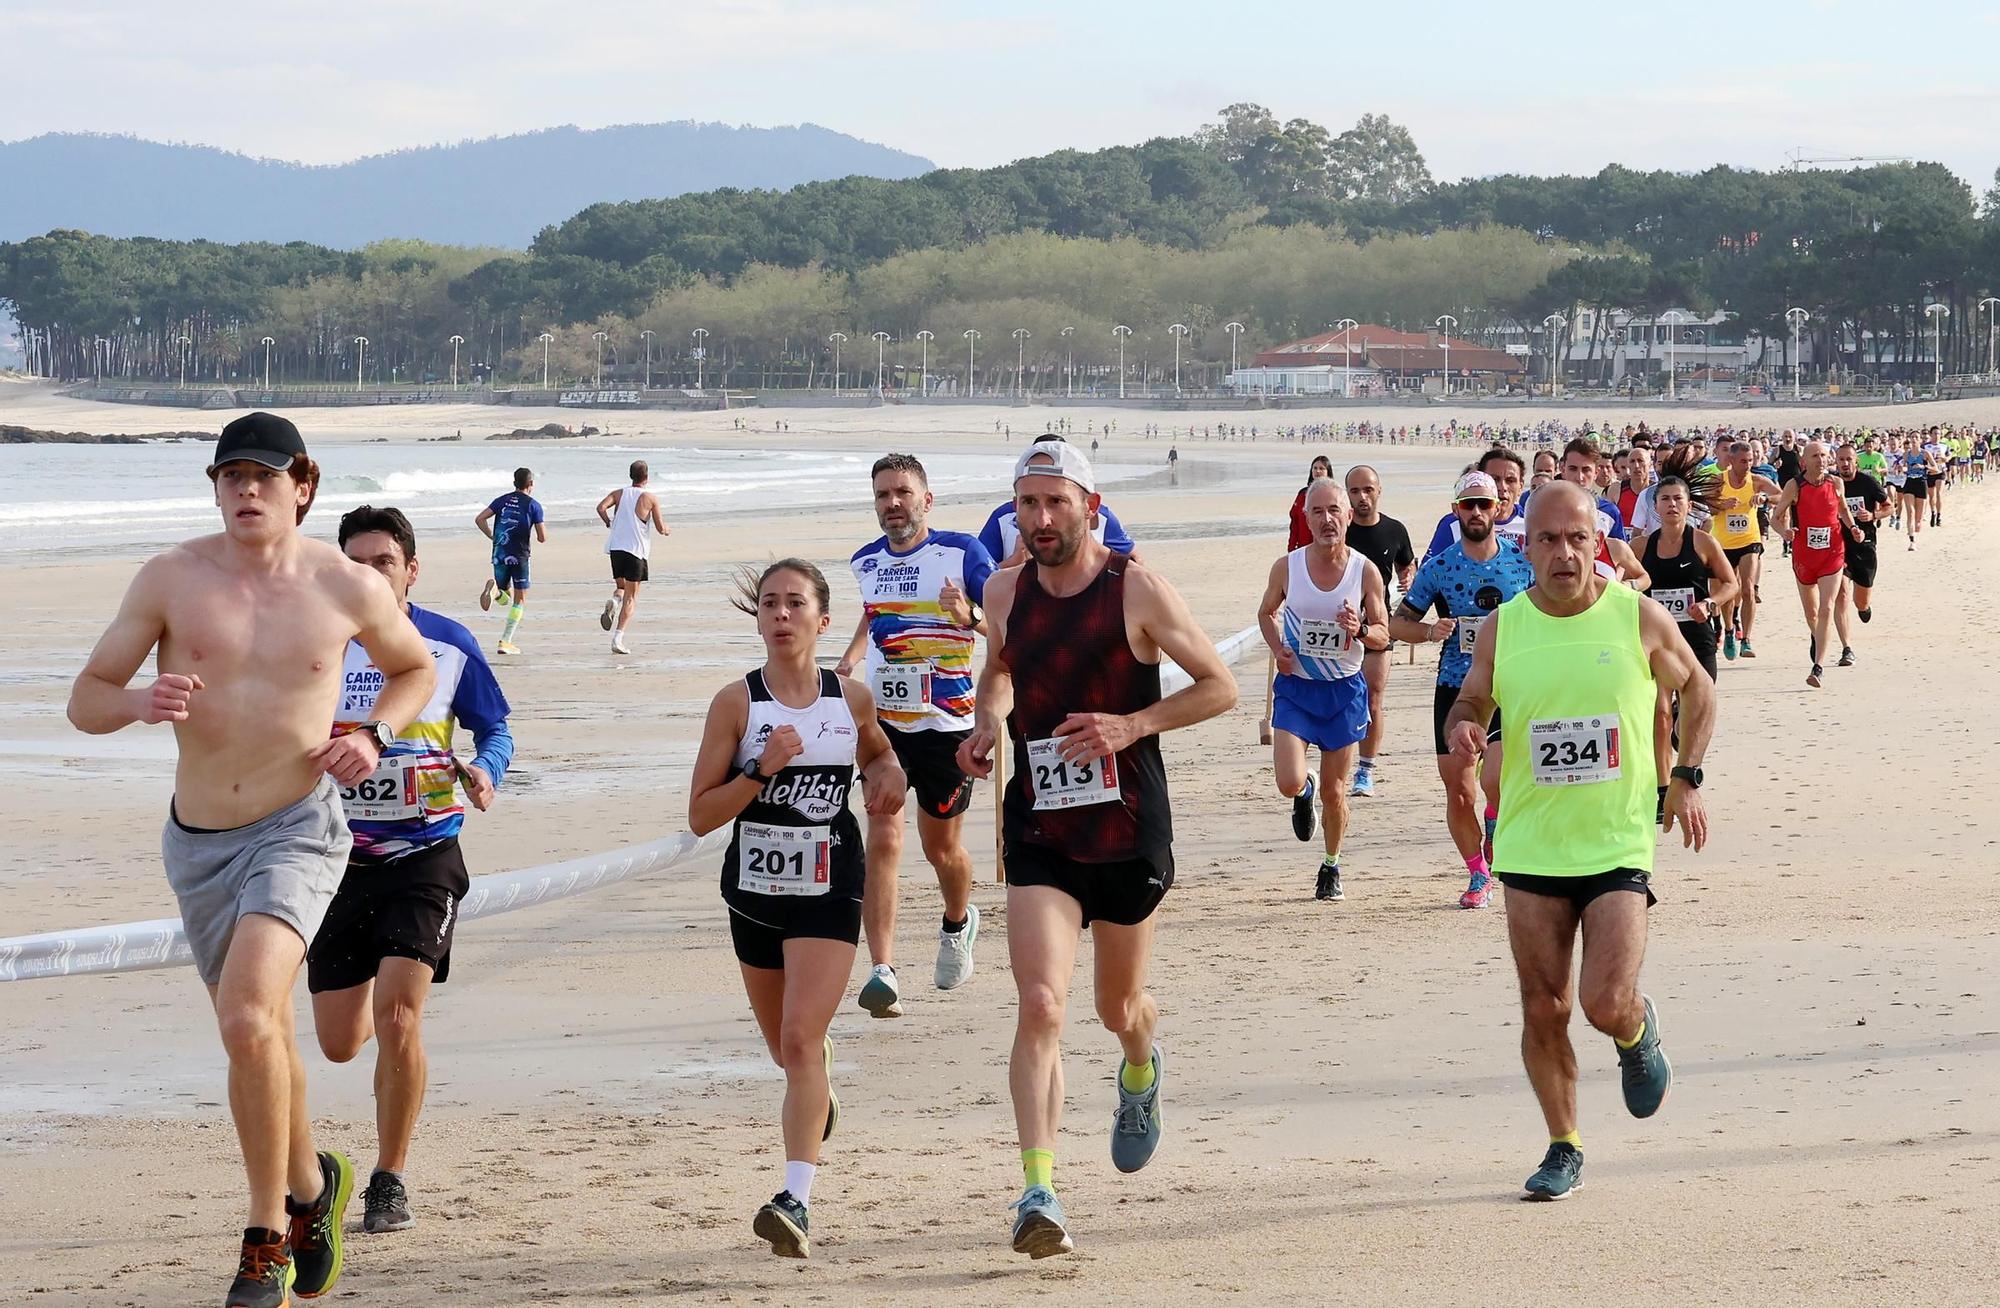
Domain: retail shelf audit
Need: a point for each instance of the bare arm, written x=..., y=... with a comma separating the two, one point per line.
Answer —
x=1675, y=669
x=994, y=699
x=715, y=797
x=604, y=507
x=1374, y=608
x=1465, y=725
x=1162, y=618
x=542, y=532
x=1267, y=617
x=1784, y=502
x=1630, y=570
x=883, y=783
x=1722, y=585
x=99, y=701
x=484, y=521
x=651, y=509
x=850, y=658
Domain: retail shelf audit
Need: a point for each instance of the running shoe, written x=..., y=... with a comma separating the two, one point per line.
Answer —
x=1040, y=1229
x=1644, y=1069
x=385, y=1205
x=1745, y=650
x=1561, y=1173
x=954, y=960
x=264, y=1274
x=1479, y=892
x=832, y=1099
x=1729, y=643
x=317, y=1251
x=618, y=645
x=1812, y=678
x=1846, y=659
x=1864, y=614
x=879, y=994
x=783, y=1223
x=508, y=647
x=1135, y=1130
x=1330, y=874
x=1364, y=784
x=610, y=614
x=486, y=596
x=1305, y=814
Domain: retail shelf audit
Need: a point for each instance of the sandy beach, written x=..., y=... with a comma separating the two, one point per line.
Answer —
x=1347, y=1118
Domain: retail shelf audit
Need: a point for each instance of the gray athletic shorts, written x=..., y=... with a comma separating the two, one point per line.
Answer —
x=287, y=865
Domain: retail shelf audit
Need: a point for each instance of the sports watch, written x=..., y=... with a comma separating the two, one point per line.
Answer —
x=1690, y=775
x=754, y=772
x=383, y=734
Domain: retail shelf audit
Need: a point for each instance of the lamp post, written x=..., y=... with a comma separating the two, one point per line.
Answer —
x=1020, y=335
x=1121, y=331
x=1069, y=361
x=925, y=336
x=186, y=341
x=1672, y=318
x=1179, y=332
x=880, y=339
x=646, y=339
x=971, y=344
x=1797, y=318
x=1555, y=322
x=698, y=335
x=1445, y=334
x=1937, y=312
x=1235, y=330
x=545, y=338
x=600, y=337
x=837, y=338
x=1989, y=304
x=268, y=343
x=1346, y=328
x=360, y=353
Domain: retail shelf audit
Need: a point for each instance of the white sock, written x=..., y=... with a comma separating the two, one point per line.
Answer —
x=1366, y=765
x=799, y=1179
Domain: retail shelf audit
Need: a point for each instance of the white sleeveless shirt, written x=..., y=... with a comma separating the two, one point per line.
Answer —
x=628, y=534
x=1325, y=652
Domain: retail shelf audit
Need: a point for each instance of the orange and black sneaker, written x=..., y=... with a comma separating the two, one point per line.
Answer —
x=264, y=1277
x=316, y=1227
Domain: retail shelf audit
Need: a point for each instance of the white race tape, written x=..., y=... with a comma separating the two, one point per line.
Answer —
x=143, y=946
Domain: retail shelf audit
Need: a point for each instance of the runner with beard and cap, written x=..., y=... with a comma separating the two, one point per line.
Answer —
x=1385, y=542
x=920, y=595
x=1576, y=664
x=1002, y=533
x=1510, y=523
x=1465, y=583
x=1323, y=608
x=1866, y=501
x=1819, y=543
x=249, y=627
x=1072, y=683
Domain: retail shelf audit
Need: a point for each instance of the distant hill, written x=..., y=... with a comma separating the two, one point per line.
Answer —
x=496, y=192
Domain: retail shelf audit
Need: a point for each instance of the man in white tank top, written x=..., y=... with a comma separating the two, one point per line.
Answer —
x=1323, y=609
x=628, y=511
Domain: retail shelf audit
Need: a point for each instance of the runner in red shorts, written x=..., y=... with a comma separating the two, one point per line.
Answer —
x=1819, y=543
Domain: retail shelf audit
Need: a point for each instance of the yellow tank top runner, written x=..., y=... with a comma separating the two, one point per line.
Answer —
x=1735, y=522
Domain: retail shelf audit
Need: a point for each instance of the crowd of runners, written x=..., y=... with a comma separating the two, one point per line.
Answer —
x=1580, y=593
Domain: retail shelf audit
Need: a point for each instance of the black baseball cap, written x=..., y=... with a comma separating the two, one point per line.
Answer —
x=261, y=438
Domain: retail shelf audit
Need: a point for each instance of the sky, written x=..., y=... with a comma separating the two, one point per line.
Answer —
x=1553, y=87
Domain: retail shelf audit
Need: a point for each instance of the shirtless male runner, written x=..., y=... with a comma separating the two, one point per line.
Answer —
x=250, y=626
x=1072, y=677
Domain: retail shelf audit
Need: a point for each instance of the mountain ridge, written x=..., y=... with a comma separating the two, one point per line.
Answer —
x=460, y=193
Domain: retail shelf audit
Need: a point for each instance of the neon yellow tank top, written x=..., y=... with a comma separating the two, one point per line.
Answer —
x=1577, y=789
x=1735, y=522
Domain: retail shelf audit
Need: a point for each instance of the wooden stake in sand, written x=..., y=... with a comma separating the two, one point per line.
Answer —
x=1270, y=692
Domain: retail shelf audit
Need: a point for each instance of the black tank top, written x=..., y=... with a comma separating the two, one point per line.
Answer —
x=1684, y=571
x=1071, y=656
x=769, y=873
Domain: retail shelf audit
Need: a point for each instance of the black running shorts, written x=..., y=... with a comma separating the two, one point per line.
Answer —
x=1441, y=701
x=930, y=760
x=1861, y=562
x=761, y=944
x=1124, y=893
x=405, y=908
x=1741, y=552
x=626, y=566
x=1580, y=891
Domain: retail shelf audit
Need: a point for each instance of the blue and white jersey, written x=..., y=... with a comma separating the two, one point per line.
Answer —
x=1002, y=534
x=919, y=660
x=411, y=801
x=1462, y=587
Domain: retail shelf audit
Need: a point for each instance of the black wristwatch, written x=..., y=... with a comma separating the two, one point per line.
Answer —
x=978, y=616
x=380, y=730
x=1690, y=775
x=754, y=772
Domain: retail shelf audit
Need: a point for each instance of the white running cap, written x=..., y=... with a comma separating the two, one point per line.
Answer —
x=1057, y=459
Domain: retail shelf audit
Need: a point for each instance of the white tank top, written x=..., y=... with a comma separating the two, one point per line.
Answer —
x=627, y=532
x=1326, y=653
x=826, y=730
